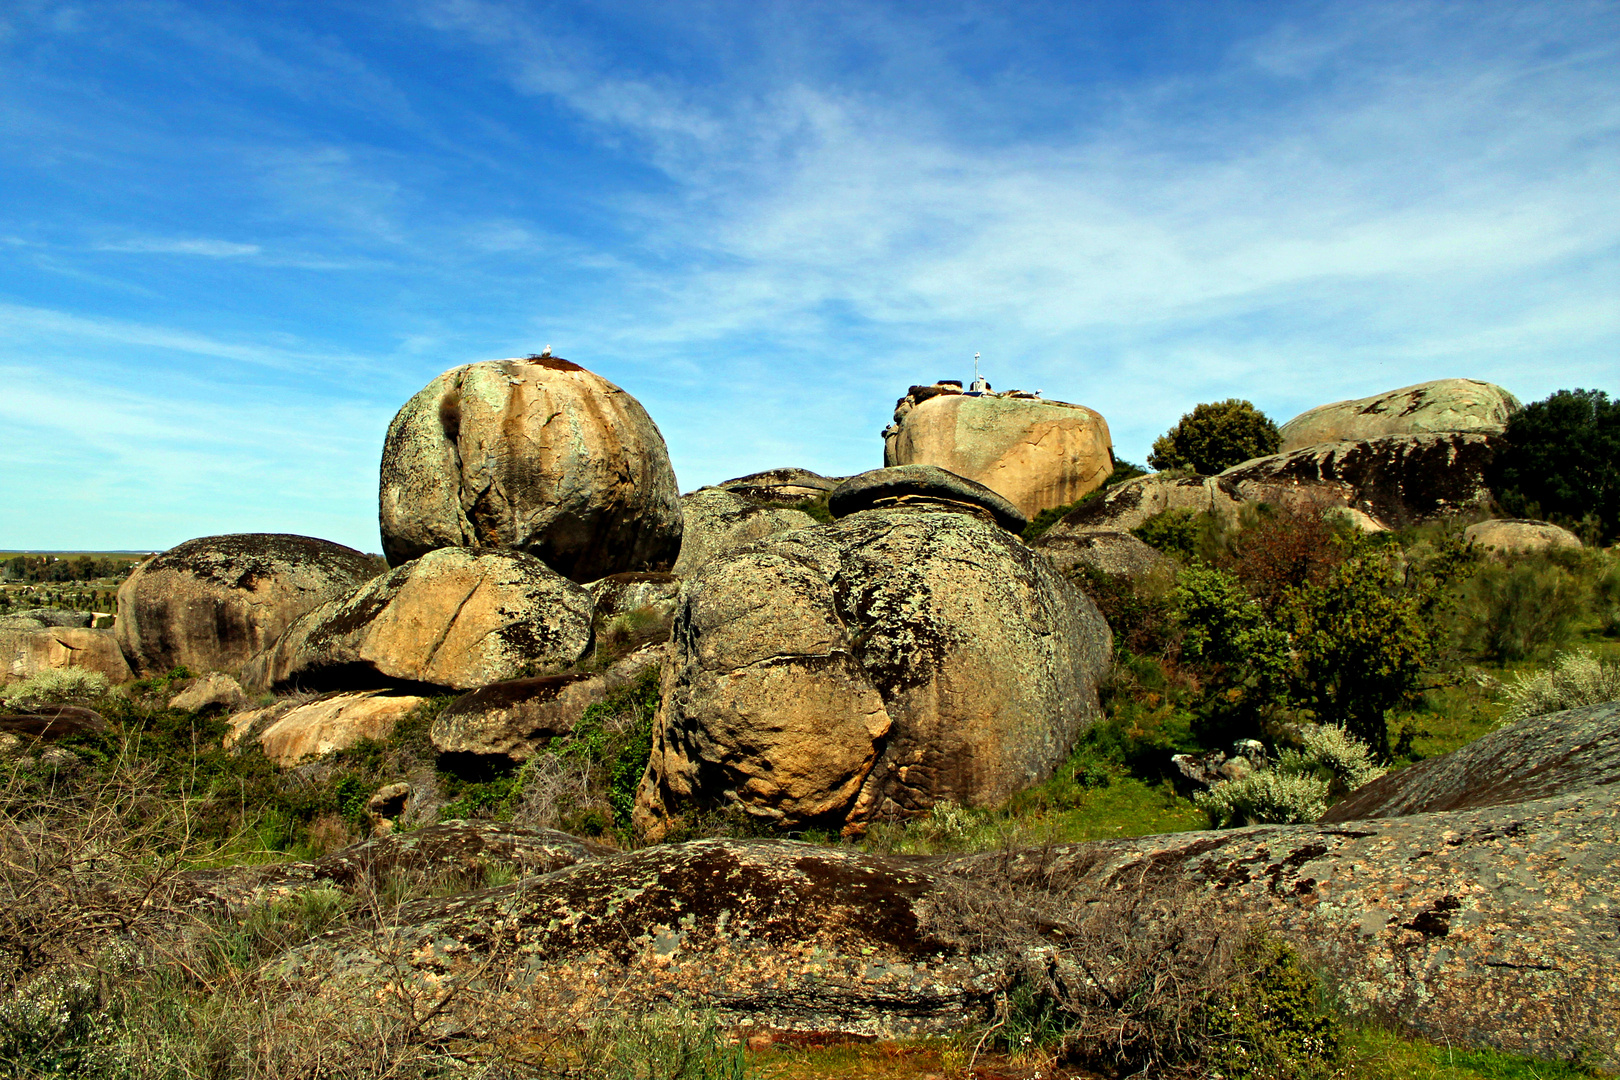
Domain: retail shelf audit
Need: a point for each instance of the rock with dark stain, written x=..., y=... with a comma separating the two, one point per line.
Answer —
x=1443, y=405
x=781, y=936
x=1563, y=752
x=717, y=521
x=892, y=660
x=539, y=455
x=214, y=603
x=922, y=485
x=457, y=618
x=1495, y=926
x=26, y=650
x=1109, y=551
x=1125, y=506
x=784, y=486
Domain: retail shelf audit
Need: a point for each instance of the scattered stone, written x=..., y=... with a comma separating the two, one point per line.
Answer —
x=389, y=800
x=1512, y=536
x=1033, y=452
x=925, y=486
x=210, y=691
x=1106, y=550
x=1444, y=405
x=538, y=455
x=1203, y=771
x=28, y=650
x=518, y=717
x=457, y=617
x=870, y=668
x=52, y=721
x=781, y=486
x=214, y=603
x=717, y=520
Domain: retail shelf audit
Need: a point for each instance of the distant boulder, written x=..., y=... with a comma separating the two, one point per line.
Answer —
x=289, y=733
x=718, y=520
x=1444, y=405
x=214, y=603
x=49, y=721
x=456, y=617
x=876, y=666
x=537, y=455
x=1033, y=452
x=1509, y=536
x=923, y=486
x=27, y=648
x=784, y=486
x=1125, y=506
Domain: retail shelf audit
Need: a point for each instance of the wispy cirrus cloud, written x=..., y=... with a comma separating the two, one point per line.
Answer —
x=211, y=249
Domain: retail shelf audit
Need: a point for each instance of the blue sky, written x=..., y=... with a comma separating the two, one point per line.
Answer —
x=235, y=238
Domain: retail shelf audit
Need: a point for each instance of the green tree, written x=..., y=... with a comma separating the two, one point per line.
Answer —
x=1215, y=436
x=1562, y=460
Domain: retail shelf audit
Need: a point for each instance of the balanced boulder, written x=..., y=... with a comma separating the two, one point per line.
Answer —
x=539, y=455
x=784, y=486
x=1510, y=536
x=1033, y=452
x=925, y=486
x=717, y=520
x=892, y=660
x=456, y=617
x=214, y=603
x=1444, y=405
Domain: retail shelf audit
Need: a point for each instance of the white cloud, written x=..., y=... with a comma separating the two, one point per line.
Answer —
x=213, y=249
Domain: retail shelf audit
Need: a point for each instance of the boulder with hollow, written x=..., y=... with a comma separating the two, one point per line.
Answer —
x=538, y=455
x=214, y=690
x=1444, y=405
x=457, y=617
x=1512, y=536
x=1033, y=452
x=892, y=660
x=926, y=486
x=717, y=520
x=27, y=648
x=214, y=603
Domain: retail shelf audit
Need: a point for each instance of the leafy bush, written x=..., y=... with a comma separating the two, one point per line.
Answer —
x=1137, y=609
x=1573, y=680
x=1330, y=749
x=1562, y=460
x=1214, y=437
x=57, y=684
x=1273, y=1023
x=1514, y=609
x=1264, y=797
x=1282, y=549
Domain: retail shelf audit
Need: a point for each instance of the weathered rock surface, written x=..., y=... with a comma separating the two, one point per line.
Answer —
x=875, y=666
x=1035, y=453
x=34, y=618
x=717, y=520
x=212, y=690
x=782, y=486
x=1397, y=479
x=1107, y=550
x=1125, y=506
x=781, y=936
x=1492, y=926
x=1573, y=751
x=28, y=650
x=462, y=849
x=1443, y=405
x=516, y=718
x=50, y=721
x=456, y=617
x=924, y=486
x=622, y=594
x=214, y=603
x=1508, y=536
x=538, y=455
x=290, y=733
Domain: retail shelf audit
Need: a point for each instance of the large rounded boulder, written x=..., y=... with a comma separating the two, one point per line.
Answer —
x=1033, y=452
x=870, y=668
x=214, y=603
x=457, y=617
x=538, y=455
x=1443, y=405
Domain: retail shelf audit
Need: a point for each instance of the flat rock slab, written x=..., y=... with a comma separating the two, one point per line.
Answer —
x=897, y=485
x=1497, y=926
x=784, y=486
x=51, y=722
x=786, y=936
x=1563, y=752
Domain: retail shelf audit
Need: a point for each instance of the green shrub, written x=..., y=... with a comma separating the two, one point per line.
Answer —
x=57, y=684
x=1573, y=680
x=1606, y=598
x=1562, y=461
x=671, y=1044
x=1214, y=437
x=1264, y=798
x=1514, y=609
x=1273, y=1023
x=1329, y=749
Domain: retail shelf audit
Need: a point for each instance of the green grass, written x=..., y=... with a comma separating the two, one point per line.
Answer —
x=1376, y=1054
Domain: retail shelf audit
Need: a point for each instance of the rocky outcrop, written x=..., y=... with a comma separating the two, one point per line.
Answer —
x=1125, y=506
x=538, y=455
x=1491, y=926
x=27, y=650
x=213, y=690
x=1511, y=536
x=1033, y=452
x=781, y=486
x=456, y=617
x=214, y=603
x=50, y=721
x=876, y=666
x=623, y=594
x=1545, y=756
x=922, y=486
x=1107, y=551
x=1397, y=479
x=291, y=733
x=776, y=936
x=514, y=719
x=717, y=521
x=1430, y=408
